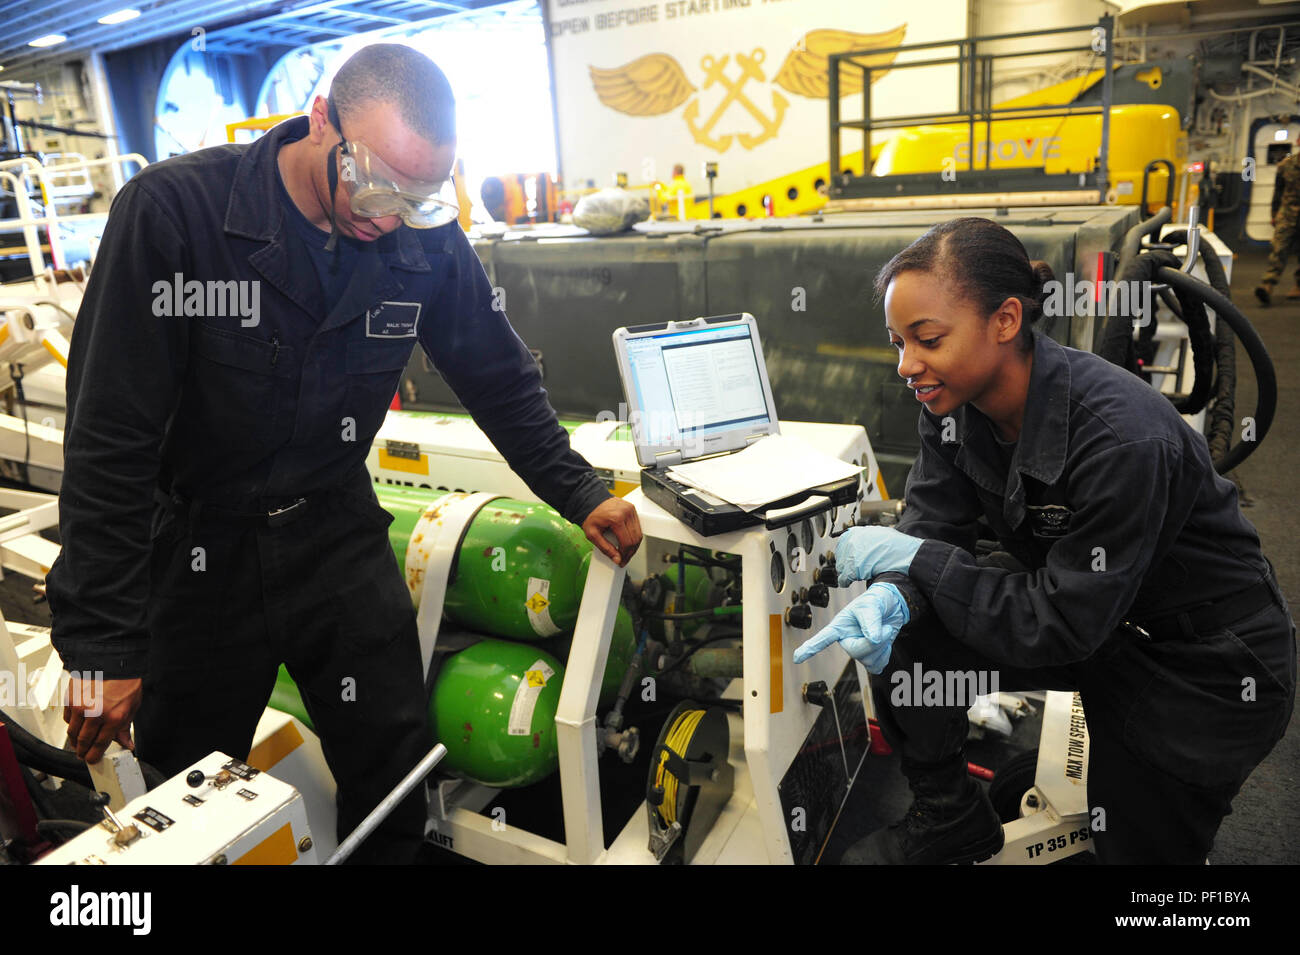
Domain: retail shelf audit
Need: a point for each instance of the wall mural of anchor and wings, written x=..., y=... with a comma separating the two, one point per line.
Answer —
x=743, y=83
x=657, y=83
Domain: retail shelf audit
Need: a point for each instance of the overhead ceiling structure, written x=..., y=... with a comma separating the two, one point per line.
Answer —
x=225, y=25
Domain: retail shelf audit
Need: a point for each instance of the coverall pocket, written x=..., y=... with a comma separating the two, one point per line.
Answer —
x=372, y=610
x=235, y=379
x=374, y=370
x=367, y=508
x=1210, y=712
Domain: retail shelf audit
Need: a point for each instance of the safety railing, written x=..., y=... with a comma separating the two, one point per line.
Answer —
x=975, y=99
x=18, y=176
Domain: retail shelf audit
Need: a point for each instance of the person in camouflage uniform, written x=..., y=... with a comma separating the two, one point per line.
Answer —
x=1286, y=214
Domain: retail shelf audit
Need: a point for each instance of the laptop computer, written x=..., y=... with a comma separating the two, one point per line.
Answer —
x=696, y=389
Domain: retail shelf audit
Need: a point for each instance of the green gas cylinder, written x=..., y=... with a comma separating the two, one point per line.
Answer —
x=288, y=699
x=493, y=707
x=519, y=571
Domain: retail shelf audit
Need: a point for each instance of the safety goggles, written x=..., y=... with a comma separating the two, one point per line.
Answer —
x=375, y=189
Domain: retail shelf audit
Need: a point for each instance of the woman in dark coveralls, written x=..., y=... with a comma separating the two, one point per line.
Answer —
x=1129, y=572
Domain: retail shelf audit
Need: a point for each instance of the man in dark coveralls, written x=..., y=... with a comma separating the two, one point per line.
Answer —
x=242, y=335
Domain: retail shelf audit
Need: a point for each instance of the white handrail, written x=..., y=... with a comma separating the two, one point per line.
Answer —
x=106, y=161
x=28, y=223
x=20, y=161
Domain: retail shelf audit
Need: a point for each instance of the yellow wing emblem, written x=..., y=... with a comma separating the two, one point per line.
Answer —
x=805, y=68
x=648, y=86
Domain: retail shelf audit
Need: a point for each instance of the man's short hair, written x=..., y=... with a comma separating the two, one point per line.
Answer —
x=404, y=77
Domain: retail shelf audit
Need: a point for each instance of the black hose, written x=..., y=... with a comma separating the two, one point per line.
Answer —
x=40, y=798
x=1221, y=420
x=45, y=826
x=1171, y=303
x=1132, y=243
x=689, y=614
x=1209, y=258
x=1210, y=350
x=1202, y=341
x=1116, y=342
x=38, y=754
x=709, y=558
x=1265, y=374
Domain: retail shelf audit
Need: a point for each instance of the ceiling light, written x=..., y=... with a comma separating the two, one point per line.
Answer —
x=121, y=16
x=53, y=39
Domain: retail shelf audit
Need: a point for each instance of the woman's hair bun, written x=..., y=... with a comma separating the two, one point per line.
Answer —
x=1042, y=275
x=1042, y=272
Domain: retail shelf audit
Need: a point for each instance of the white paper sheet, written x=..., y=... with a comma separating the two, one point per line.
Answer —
x=770, y=469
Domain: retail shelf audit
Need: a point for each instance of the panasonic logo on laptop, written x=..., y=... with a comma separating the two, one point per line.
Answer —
x=716, y=438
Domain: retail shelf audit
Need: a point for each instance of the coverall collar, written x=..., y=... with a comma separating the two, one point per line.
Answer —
x=1044, y=433
x=254, y=209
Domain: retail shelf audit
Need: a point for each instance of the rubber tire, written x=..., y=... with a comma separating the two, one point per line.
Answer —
x=1011, y=782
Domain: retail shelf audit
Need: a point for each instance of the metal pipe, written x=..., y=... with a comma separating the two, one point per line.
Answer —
x=1193, y=239
x=717, y=663
x=1088, y=27
x=1194, y=34
x=866, y=115
x=833, y=97
x=1237, y=98
x=1276, y=80
x=1108, y=98
x=389, y=803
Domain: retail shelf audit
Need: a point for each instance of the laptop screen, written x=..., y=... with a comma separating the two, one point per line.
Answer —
x=693, y=386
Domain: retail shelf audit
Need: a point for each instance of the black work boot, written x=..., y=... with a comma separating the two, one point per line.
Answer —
x=951, y=821
x=1264, y=292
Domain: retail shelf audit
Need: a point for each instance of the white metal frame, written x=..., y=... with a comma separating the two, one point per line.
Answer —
x=1055, y=822
x=43, y=176
x=775, y=722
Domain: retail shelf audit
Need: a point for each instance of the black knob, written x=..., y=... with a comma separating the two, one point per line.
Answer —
x=799, y=616
x=827, y=574
x=652, y=593
x=818, y=595
x=816, y=693
x=194, y=778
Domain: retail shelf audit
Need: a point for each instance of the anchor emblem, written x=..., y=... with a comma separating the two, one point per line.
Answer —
x=715, y=72
x=656, y=84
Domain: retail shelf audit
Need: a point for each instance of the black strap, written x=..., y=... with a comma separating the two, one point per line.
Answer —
x=332, y=174
x=1206, y=618
x=191, y=509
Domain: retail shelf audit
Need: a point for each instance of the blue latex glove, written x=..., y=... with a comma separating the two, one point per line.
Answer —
x=866, y=628
x=866, y=552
